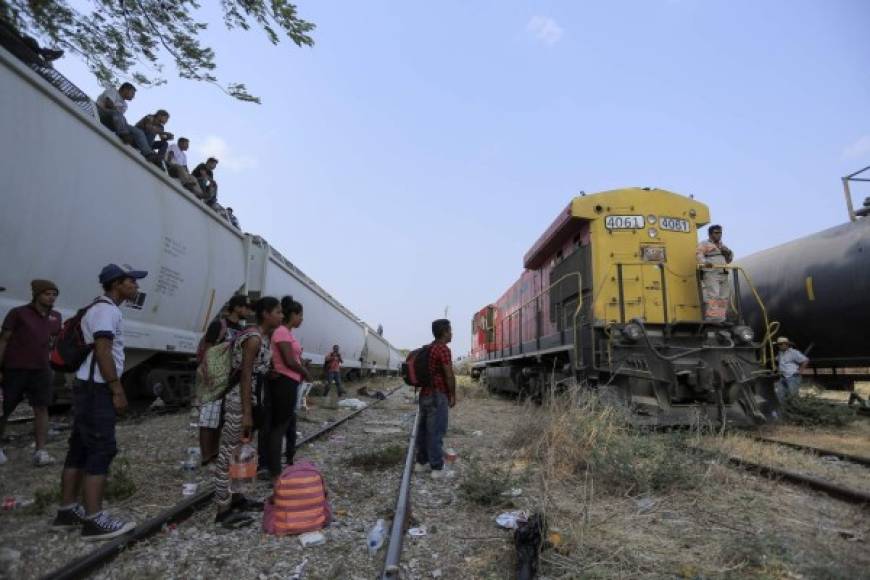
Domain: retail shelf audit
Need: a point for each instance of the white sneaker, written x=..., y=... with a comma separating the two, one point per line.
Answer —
x=3, y=458
x=41, y=458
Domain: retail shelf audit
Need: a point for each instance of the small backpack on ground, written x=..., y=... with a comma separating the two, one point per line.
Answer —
x=215, y=375
x=70, y=349
x=299, y=503
x=415, y=370
x=200, y=348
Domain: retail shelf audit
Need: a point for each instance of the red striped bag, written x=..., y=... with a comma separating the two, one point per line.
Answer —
x=299, y=503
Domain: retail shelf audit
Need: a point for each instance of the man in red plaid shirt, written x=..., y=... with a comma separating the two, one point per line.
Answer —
x=435, y=399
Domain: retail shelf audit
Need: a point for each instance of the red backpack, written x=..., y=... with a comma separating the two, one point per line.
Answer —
x=299, y=503
x=70, y=349
x=415, y=370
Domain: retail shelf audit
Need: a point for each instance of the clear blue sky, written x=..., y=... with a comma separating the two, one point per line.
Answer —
x=411, y=157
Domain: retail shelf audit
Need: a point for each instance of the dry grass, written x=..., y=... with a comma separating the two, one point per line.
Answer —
x=469, y=388
x=743, y=447
x=632, y=505
x=854, y=439
x=575, y=436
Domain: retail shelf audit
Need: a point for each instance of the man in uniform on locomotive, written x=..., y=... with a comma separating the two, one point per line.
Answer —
x=715, y=286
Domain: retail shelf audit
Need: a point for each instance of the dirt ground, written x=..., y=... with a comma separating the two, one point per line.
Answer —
x=725, y=524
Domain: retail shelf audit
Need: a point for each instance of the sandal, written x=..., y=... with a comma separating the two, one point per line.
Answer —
x=233, y=520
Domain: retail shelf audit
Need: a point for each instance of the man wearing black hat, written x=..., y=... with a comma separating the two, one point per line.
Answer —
x=712, y=254
x=97, y=397
x=25, y=344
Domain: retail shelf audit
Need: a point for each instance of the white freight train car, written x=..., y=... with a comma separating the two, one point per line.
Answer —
x=75, y=198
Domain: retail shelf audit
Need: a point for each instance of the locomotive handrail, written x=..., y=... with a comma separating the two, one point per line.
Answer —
x=769, y=327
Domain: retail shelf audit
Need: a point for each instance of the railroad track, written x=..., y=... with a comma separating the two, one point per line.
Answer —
x=88, y=563
x=830, y=488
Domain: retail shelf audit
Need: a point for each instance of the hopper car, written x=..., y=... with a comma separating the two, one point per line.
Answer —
x=69, y=210
x=610, y=297
x=818, y=288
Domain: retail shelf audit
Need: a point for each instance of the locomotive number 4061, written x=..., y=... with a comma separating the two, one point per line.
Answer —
x=674, y=224
x=624, y=222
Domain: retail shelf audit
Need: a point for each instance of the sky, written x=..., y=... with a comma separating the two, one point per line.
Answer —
x=410, y=158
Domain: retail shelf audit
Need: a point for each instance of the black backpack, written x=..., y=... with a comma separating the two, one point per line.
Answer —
x=415, y=370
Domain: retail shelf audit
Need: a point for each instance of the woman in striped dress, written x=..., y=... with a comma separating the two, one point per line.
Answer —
x=252, y=356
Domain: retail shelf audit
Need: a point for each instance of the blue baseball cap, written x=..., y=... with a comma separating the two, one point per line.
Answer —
x=114, y=271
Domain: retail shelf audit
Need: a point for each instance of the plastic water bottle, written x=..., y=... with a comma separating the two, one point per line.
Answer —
x=376, y=537
x=16, y=502
x=243, y=468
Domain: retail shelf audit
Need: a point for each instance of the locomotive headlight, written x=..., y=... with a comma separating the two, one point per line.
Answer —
x=651, y=218
x=652, y=232
x=632, y=332
x=743, y=333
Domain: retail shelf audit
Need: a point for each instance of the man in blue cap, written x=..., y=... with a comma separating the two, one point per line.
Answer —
x=98, y=396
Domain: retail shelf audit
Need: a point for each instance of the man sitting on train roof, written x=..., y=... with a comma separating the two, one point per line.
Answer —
x=792, y=363
x=715, y=286
x=204, y=174
x=176, y=164
x=111, y=106
x=150, y=127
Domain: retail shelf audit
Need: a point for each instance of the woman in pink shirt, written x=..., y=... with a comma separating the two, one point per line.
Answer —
x=289, y=372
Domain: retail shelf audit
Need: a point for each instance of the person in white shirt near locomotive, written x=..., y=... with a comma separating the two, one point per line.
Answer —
x=792, y=364
x=712, y=254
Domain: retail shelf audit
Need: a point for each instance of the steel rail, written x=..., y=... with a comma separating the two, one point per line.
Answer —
x=402, y=513
x=865, y=461
x=82, y=566
x=834, y=490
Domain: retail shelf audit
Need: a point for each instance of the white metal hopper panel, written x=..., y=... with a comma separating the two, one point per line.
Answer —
x=75, y=198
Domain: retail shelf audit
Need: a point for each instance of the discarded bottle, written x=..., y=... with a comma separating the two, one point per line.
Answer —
x=15, y=502
x=243, y=468
x=190, y=484
x=376, y=537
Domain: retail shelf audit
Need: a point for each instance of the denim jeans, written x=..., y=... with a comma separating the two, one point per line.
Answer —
x=113, y=120
x=92, y=443
x=333, y=376
x=141, y=141
x=788, y=387
x=431, y=429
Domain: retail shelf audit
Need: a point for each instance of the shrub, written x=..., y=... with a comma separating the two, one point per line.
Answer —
x=383, y=458
x=812, y=411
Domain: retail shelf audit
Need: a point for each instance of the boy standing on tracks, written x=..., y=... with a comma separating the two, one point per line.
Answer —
x=220, y=330
x=25, y=343
x=333, y=371
x=435, y=399
x=712, y=254
x=98, y=396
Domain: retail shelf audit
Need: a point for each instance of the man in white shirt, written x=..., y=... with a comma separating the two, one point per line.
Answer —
x=111, y=106
x=792, y=363
x=98, y=396
x=176, y=160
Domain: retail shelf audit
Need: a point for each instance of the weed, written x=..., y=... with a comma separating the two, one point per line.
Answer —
x=638, y=463
x=485, y=486
x=812, y=411
x=383, y=458
x=120, y=484
x=45, y=499
x=575, y=433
